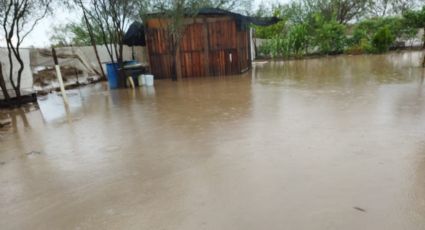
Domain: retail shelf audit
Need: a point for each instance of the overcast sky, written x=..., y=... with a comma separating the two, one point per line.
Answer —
x=41, y=34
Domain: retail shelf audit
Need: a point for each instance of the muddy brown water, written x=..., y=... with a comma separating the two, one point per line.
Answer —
x=330, y=143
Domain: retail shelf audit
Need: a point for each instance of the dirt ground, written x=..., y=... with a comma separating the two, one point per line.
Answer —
x=330, y=143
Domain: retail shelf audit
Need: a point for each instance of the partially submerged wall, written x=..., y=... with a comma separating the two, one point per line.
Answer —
x=83, y=58
x=27, y=80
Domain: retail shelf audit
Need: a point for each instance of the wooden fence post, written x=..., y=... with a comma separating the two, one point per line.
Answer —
x=59, y=76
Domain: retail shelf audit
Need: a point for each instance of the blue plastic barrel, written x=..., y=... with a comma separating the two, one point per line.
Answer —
x=112, y=70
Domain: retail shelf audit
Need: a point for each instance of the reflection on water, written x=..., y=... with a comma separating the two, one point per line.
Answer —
x=342, y=70
x=331, y=143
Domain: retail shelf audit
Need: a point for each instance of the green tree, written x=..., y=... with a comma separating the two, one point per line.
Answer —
x=75, y=34
x=402, y=6
x=240, y=6
x=415, y=19
x=343, y=11
x=113, y=18
x=384, y=8
x=18, y=18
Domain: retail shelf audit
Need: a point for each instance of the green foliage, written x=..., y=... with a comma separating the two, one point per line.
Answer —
x=296, y=13
x=331, y=38
x=409, y=33
x=294, y=42
x=291, y=14
x=329, y=35
x=268, y=32
x=75, y=34
x=379, y=34
x=320, y=26
x=368, y=28
x=415, y=19
x=299, y=38
x=342, y=11
x=383, y=39
x=364, y=46
x=275, y=47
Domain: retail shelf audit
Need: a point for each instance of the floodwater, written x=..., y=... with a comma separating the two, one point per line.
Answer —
x=330, y=143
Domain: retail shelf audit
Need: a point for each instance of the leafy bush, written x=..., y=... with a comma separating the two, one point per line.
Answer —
x=291, y=43
x=275, y=47
x=368, y=28
x=268, y=32
x=377, y=35
x=303, y=32
x=362, y=47
x=383, y=39
x=298, y=39
x=330, y=37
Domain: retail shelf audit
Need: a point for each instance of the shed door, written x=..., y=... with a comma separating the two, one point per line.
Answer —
x=160, y=55
x=192, y=51
x=222, y=40
x=232, y=61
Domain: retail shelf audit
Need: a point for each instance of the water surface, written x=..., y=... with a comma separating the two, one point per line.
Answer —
x=330, y=143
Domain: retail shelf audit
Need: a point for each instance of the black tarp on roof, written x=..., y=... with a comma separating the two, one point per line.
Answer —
x=242, y=21
x=135, y=35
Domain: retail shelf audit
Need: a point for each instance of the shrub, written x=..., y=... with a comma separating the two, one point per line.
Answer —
x=362, y=47
x=275, y=47
x=368, y=28
x=383, y=39
x=330, y=37
x=269, y=32
x=298, y=39
x=377, y=35
x=291, y=43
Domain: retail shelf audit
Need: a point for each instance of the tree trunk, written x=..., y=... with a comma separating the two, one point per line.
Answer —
x=206, y=47
x=423, y=62
x=178, y=64
x=20, y=71
x=174, y=75
x=122, y=77
x=3, y=84
x=9, y=55
x=93, y=42
x=17, y=85
x=423, y=39
x=121, y=73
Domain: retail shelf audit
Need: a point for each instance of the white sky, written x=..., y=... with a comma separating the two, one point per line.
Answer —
x=41, y=34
